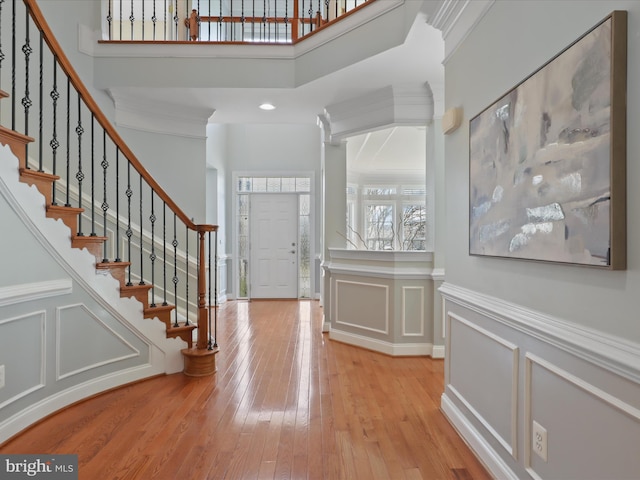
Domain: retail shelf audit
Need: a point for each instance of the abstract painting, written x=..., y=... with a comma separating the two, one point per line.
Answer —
x=547, y=161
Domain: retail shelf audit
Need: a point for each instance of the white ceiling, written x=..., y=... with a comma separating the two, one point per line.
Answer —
x=395, y=150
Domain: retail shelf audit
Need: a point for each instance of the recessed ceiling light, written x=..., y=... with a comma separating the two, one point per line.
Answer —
x=267, y=106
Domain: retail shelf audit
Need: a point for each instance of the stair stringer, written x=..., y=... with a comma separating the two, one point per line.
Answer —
x=54, y=236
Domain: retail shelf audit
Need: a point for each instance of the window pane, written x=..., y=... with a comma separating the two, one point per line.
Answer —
x=243, y=204
x=273, y=184
x=288, y=184
x=413, y=227
x=414, y=190
x=305, y=204
x=259, y=185
x=244, y=184
x=303, y=184
x=379, y=225
x=377, y=191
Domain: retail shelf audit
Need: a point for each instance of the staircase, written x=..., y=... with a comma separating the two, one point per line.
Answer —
x=192, y=315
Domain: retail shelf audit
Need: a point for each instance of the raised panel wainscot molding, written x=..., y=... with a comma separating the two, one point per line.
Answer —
x=383, y=301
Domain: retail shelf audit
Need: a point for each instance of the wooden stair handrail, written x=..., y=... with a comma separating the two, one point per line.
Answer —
x=65, y=64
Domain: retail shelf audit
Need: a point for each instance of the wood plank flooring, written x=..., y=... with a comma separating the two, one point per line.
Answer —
x=286, y=402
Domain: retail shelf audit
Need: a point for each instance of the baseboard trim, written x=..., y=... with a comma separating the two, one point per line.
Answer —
x=489, y=458
x=438, y=351
x=393, y=349
x=53, y=403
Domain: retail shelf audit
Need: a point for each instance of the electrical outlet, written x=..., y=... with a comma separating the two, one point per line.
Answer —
x=539, y=440
x=1, y=376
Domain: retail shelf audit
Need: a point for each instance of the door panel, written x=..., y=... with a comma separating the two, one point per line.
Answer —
x=274, y=251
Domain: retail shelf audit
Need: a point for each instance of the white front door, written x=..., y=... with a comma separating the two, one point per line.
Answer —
x=274, y=246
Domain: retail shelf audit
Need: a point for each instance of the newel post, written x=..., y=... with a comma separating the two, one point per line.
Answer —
x=203, y=313
x=200, y=361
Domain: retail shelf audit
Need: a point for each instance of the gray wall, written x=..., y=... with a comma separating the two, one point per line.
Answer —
x=503, y=50
x=272, y=150
x=528, y=341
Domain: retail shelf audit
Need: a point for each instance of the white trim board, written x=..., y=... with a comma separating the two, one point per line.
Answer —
x=614, y=354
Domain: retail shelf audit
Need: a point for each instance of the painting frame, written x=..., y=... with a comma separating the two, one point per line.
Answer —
x=547, y=160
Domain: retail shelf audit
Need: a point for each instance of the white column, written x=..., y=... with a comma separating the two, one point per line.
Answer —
x=435, y=181
x=334, y=208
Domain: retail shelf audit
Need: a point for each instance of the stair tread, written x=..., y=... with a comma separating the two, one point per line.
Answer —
x=137, y=286
x=150, y=308
x=90, y=238
x=112, y=264
x=16, y=135
x=64, y=209
x=191, y=326
x=36, y=173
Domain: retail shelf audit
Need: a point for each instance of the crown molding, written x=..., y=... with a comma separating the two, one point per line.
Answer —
x=166, y=118
x=455, y=19
x=388, y=106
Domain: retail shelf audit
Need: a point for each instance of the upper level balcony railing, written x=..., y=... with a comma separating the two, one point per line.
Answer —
x=223, y=21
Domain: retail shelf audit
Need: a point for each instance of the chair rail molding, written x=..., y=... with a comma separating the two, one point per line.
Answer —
x=612, y=353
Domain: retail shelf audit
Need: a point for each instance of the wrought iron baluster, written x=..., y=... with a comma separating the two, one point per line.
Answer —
x=215, y=290
x=120, y=38
x=264, y=19
x=310, y=11
x=230, y=30
x=286, y=21
x=242, y=20
x=13, y=66
x=129, y=232
x=164, y=253
x=26, y=100
x=109, y=19
x=165, y=20
x=175, y=269
x=105, y=204
x=209, y=17
x=68, y=177
x=54, y=143
x=141, y=237
x=209, y=344
x=187, y=275
x=79, y=173
x=117, y=238
x=132, y=19
x=199, y=21
x=154, y=19
x=152, y=255
x=93, y=184
x=175, y=18
x=142, y=20
x=41, y=106
x=275, y=16
x=221, y=33
x=253, y=20
x=1, y=51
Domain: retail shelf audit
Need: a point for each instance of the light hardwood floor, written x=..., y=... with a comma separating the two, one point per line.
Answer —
x=286, y=402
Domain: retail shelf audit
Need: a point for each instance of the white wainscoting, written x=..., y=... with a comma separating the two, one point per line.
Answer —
x=508, y=366
x=362, y=305
x=487, y=386
x=27, y=363
x=381, y=300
